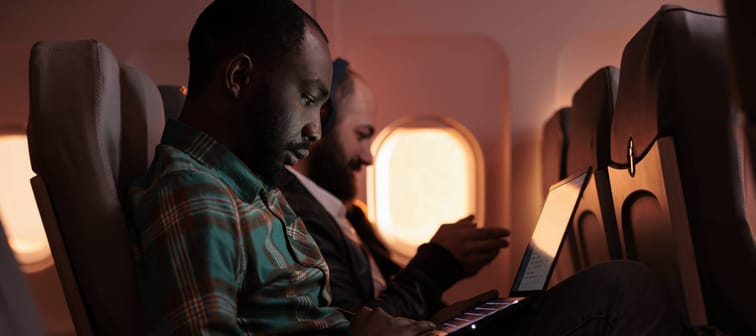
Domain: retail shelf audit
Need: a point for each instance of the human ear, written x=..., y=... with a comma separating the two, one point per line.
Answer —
x=238, y=74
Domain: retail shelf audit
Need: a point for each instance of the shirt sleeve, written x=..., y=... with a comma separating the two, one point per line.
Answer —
x=411, y=293
x=190, y=255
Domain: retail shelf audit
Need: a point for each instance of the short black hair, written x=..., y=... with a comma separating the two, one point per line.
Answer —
x=266, y=30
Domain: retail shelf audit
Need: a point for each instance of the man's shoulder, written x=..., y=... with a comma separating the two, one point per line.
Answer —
x=300, y=199
x=296, y=194
x=318, y=222
x=177, y=173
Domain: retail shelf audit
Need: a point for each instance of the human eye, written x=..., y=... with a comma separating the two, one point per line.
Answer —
x=363, y=135
x=308, y=100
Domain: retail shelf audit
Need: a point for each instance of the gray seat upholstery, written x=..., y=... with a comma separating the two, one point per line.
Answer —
x=675, y=174
x=594, y=226
x=93, y=126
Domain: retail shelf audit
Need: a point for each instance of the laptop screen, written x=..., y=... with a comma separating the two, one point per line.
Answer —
x=536, y=265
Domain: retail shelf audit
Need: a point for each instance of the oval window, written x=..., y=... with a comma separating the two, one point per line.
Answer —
x=427, y=171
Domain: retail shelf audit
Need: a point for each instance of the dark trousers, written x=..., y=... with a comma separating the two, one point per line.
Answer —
x=614, y=298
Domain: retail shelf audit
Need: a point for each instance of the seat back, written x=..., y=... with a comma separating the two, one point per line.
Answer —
x=554, y=148
x=554, y=169
x=142, y=123
x=594, y=226
x=87, y=127
x=674, y=171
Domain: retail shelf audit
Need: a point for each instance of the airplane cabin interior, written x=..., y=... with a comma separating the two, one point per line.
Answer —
x=482, y=105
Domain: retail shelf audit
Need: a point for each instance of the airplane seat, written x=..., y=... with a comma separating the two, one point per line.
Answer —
x=554, y=148
x=593, y=225
x=553, y=169
x=741, y=23
x=674, y=173
x=92, y=125
x=142, y=125
x=173, y=100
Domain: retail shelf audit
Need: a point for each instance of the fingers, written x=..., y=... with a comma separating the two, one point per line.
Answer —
x=464, y=223
x=421, y=327
x=379, y=323
x=460, y=307
x=469, y=230
x=468, y=219
x=410, y=327
x=362, y=316
x=482, y=246
x=489, y=233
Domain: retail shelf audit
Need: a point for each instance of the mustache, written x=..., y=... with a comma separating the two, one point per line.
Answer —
x=355, y=164
x=305, y=144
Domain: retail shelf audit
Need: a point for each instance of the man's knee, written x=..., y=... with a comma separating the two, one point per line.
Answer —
x=630, y=277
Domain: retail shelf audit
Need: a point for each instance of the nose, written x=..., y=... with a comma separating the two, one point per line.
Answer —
x=365, y=155
x=311, y=131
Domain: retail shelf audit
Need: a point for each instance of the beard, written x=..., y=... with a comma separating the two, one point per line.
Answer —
x=329, y=168
x=266, y=151
x=268, y=143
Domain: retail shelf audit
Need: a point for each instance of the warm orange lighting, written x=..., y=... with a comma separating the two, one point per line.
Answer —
x=555, y=216
x=552, y=224
x=424, y=176
x=18, y=210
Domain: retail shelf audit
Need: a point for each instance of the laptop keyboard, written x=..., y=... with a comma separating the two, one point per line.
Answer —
x=474, y=315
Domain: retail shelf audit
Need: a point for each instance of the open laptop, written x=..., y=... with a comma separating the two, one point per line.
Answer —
x=537, y=263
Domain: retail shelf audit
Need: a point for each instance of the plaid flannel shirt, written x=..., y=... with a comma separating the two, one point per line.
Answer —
x=219, y=252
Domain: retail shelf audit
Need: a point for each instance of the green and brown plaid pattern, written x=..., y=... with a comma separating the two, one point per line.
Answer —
x=219, y=252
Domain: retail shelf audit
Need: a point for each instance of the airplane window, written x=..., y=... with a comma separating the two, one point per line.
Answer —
x=427, y=172
x=18, y=208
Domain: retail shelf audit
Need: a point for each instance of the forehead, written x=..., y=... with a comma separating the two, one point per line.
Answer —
x=359, y=107
x=313, y=62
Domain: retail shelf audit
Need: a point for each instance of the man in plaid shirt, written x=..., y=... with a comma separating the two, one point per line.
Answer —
x=218, y=250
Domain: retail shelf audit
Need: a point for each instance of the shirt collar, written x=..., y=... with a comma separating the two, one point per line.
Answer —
x=215, y=156
x=331, y=203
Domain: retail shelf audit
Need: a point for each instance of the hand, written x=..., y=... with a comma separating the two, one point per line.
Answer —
x=456, y=309
x=472, y=247
x=375, y=322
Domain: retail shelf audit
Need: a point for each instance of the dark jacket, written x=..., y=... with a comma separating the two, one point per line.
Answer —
x=413, y=292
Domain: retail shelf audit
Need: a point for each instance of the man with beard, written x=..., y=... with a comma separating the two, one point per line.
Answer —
x=615, y=298
x=322, y=189
x=218, y=250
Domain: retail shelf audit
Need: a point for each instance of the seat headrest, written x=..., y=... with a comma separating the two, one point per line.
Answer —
x=591, y=120
x=75, y=97
x=75, y=134
x=673, y=73
x=173, y=100
x=143, y=121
